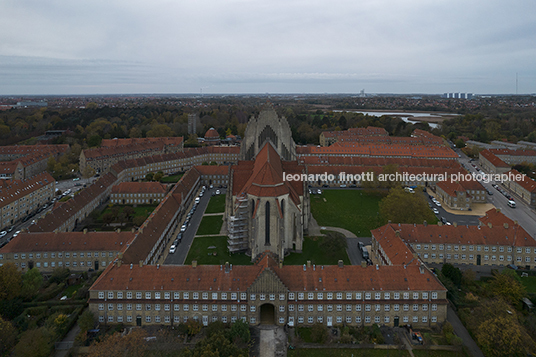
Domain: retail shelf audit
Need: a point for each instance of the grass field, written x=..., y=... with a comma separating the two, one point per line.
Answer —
x=312, y=252
x=529, y=283
x=210, y=225
x=171, y=179
x=355, y=210
x=216, y=204
x=140, y=210
x=199, y=251
x=346, y=352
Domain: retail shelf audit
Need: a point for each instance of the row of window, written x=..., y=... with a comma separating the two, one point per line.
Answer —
x=253, y=320
x=62, y=263
x=53, y=255
x=501, y=258
x=243, y=296
x=253, y=308
x=471, y=248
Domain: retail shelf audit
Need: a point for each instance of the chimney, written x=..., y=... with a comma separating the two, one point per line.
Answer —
x=377, y=267
x=425, y=223
x=280, y=265
x=397, y=233
x=118, y=263
x=363, y=264
x=341, y=263
x=157, y=266
x=130, y=266
x=141, y=263
x=421, y=269
x=133, y=230
x=118, y=230
x=455, y=224
x=226, y=267
x=308, y=264
x=506, y=225
x=120, y=255
x=194, y=263
x=304, y=267
x=85, y=230
x=490, y=225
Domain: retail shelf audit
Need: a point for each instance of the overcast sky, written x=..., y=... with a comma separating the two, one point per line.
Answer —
x=274, y=46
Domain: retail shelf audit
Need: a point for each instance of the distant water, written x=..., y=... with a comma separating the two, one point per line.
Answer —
x=408, y=117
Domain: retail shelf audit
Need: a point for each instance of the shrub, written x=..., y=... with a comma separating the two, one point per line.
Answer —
x=319, y=333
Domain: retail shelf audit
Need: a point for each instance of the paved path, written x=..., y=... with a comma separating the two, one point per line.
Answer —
x=346, y=232
x=404, y=338
x=68, y=340
x=273, y=341
x=462, y=332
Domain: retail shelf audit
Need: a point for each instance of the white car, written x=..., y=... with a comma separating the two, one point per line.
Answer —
x=3, y=233
x=217, y=192
x=438, y=204
x=172, y=249
x=183, y=228
x=436, y=211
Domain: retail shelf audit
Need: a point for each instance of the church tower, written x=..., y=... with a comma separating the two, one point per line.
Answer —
x=268, y=127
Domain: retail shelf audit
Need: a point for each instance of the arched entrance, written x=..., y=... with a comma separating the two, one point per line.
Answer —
x=267, y=314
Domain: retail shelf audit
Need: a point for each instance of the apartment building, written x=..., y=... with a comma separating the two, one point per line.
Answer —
x=525, y=188
x=498, y=244
x=461, y=195
x=268, y=292
x=21, y=198
x=78, y=251
x=129, y=193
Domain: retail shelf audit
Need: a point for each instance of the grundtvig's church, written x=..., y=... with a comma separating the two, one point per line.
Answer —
x=263, y=211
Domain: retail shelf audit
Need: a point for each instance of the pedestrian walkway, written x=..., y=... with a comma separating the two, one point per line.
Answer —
x=67, y=343
x=343, y=231
x=462, y=332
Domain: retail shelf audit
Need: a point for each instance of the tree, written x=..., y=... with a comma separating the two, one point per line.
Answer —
x=115, y=345
x=403, y=207
x=10, y=281
x=191, y=141
x=193, y=327
x=108, y=218
x=138, y=220
x=389, y=176
x=59, y=275
x=453, y=273
x=160, y=130
x=128, y=211
x=216, y=345
x=158, y=176
x=149, y=176
x=8, y=336
x=88, y=172
x=507, y=285
x=34, y=343
x=31, y=282
x=94, y=140
x=135, y=132
x=239, y=331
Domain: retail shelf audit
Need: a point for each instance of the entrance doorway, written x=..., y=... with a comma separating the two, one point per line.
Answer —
x=267, y=314
x=138, y=320
x=396, y=321
x=478, y=259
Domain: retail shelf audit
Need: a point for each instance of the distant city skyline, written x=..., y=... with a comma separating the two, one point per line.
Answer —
x=245, y=46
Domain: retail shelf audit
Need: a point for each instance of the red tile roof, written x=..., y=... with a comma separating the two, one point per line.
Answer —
x=68, y=241
x=13, y=190
x=493, y=159
x=527, y=183
x=139, y=187
x=240, y=278
x=495, y=218
x=452, y=188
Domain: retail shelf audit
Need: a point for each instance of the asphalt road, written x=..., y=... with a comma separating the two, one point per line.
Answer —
x=179, y=257
x=458, y=218
x=523, y=214
x=354, y=254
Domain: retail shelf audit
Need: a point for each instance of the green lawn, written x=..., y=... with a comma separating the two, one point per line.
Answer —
x=71, y=289
x=355, y=210
x=140, y=210
x=529, y=283
x=216, y=204
x=210, y=225
x=199, y=251
x=345, y=352
x=316, y=255
x=171, y=179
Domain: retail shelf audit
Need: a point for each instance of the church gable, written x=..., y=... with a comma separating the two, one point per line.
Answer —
x=268, y=283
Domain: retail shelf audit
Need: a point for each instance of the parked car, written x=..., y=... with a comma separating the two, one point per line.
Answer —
x=3, y=233
x=183, y=228
x=435, y=210
x=172, y=249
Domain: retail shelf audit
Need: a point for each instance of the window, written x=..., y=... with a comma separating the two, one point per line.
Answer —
x=387, y=296
x=406, y=296
x=415, y=307
x=434, y=295
x=204, y=295
x=358, y=296
x=185, y=307
x=252, y=308
x=291, y=296
x=300, y=319
x=147, y=307
x=415, y=296
x=367, y=307
x=129, y=307
x=425, y=296
x=101, y=294
x=377, y=307
x=224, y=296
x=358, y=319
x=320, y=296
x=138, y=307
x=386, y=307
x=348, y=307
x=339, y=296
x=368, y=296
x=310, y=319
x=406, y=307
x=243, y=296
x=272, y=297
x=101, y=306
x=147, y=295
x=376, y=319
x=348, y=296
x=195, y=296
x=358, y=307
x=310, y=296
x=339, y=308
x=195, y=307
x=282, y=308
x=110, y=294
x=309, y=308
x=138, y=295
x=378, y=296
x=214, y=296
x=330, y=296
x=367, y=319
x=214, y=307
x=157, y=295
x=119, y=307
